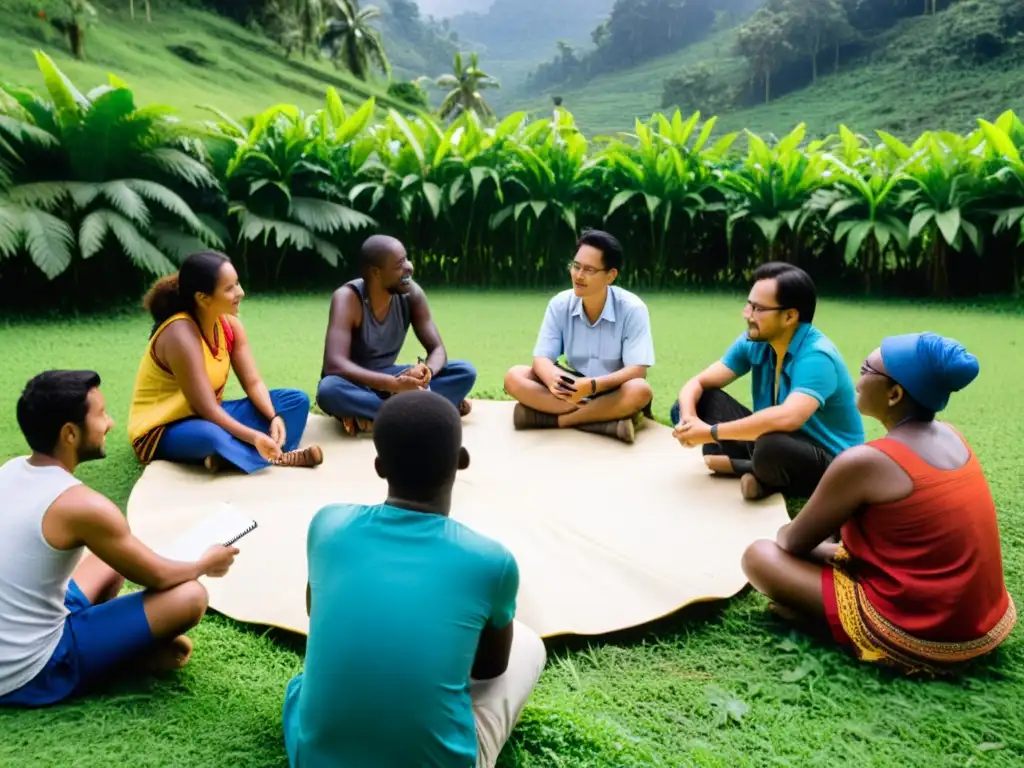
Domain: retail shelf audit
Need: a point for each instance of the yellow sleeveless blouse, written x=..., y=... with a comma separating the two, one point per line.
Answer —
x=157, y=399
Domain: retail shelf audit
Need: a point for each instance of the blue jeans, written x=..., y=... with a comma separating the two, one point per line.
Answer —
x=191, y=440
x=344, y=399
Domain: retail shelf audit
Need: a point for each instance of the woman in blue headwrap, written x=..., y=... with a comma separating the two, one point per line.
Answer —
x=917, y=582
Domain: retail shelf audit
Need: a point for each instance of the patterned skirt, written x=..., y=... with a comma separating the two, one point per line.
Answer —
x=874, y=639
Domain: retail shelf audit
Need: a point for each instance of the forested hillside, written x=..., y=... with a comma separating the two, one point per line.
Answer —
x=901, y=66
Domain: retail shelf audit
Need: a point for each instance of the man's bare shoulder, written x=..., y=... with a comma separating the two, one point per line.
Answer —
x=81, y=502
x=345, y=305
x=417, y=296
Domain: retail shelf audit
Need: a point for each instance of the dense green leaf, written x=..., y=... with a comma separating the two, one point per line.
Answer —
x=48, y=240
x=326, y=217
x=949, y=224
x=854, y=240
x=143, y=253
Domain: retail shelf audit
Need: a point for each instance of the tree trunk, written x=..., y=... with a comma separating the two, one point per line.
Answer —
x=131, y=8
x=149, y=16
x=940, y=268
x=767, y=85
x=814, y=58
x=76, y=37
x=837, y=58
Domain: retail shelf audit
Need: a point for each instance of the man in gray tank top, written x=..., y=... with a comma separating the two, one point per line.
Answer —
x=367, y=326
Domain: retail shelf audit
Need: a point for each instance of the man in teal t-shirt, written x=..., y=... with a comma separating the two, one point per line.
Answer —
x=413, y=656
x=805, y=411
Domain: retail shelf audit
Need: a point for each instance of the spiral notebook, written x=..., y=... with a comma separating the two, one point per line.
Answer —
x=226, y=526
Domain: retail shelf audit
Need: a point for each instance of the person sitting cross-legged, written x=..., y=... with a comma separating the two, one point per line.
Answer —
x=804, y=412
x=65, y=552
x=178, y=412
x=367, y=326
x=604, y=332
x=916, y=583
x=414, y=656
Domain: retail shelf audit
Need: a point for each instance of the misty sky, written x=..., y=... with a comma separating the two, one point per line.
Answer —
x=451, y=7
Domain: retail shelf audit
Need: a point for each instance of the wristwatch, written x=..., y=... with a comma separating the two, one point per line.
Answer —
x=714, y=432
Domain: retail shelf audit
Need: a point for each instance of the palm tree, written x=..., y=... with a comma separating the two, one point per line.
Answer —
x=131, y=7
x=464, y=89
x=350, y=38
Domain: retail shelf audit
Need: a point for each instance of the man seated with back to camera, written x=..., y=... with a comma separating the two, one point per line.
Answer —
x=805, y=412
x=604, y=331
x=414, y=656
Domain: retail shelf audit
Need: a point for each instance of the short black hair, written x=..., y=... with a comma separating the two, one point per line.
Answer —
x=418, y=437
x=795, y=288
x=376, y=249
x=610, y=248
x=50, y=400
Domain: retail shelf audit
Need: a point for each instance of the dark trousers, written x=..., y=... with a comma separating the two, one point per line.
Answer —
x=788, y=462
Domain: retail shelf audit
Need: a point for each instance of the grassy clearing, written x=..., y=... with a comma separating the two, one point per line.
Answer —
x=908, y=83
x=241, y=73
x=656, y=696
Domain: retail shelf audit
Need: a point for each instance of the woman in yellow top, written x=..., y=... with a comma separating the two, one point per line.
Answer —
x=178, y=412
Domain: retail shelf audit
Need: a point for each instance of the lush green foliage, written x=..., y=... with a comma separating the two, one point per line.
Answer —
x=79, y=170
x=502, y=205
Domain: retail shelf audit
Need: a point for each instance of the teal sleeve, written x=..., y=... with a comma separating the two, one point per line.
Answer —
x=815, y=375
x=736, y=357
x=504, y=609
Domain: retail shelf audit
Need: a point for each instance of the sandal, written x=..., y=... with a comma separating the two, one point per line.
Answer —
x=313, y=456
x=354, y=426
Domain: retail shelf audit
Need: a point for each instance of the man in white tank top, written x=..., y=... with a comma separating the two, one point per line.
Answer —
x=63, y=627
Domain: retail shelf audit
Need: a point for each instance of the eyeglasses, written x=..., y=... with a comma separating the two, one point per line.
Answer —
x=575, y=266
x=758, y=308
x=866, y=369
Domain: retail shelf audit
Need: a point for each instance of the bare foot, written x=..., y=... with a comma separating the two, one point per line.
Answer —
x=801, y=621
x=721, y=465
x=168, y=656
x=786, y=613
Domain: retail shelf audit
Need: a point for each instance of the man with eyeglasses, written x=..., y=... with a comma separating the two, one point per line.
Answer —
x=805, y=410
x=604, y=332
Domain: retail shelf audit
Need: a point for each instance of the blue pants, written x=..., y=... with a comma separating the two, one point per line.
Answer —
x=192, y=440
x=96, y=639
x=341, y=398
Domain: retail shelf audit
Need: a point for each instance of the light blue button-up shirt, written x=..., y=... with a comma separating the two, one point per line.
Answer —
x=621, y=337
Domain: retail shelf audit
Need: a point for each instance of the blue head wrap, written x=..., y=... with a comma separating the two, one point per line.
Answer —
x=928, y=366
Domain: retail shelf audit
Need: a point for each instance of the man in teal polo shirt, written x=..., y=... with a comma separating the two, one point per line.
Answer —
x=805, y=410
x=604, y=331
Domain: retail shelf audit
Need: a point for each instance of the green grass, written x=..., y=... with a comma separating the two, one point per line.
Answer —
x=244, y=74
x=908, y=83
x=654, y=696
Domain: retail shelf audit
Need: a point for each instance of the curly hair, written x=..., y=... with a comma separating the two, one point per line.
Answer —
x=176, y=293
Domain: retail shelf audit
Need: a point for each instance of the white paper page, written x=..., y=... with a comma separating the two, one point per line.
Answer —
x=226, y=524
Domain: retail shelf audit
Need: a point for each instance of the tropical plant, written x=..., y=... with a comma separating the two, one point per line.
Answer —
x=669, y=176
x=479, y=203
x=83, y=168
x=280, y=182
x=464, y=88
x=772, y=189
x=350, y=39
